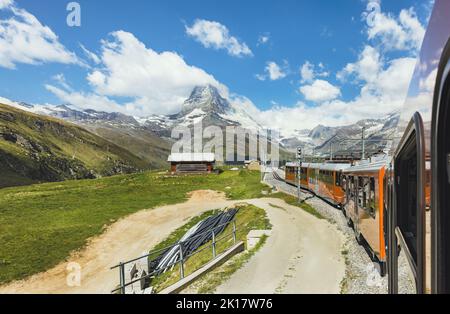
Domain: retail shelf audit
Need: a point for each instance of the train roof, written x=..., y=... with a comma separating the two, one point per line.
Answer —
x=326, y=166
x=320, y=166
x=372, y=164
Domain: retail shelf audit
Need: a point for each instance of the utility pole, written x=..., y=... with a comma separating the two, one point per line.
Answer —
x=363, y=138
x=299, y=173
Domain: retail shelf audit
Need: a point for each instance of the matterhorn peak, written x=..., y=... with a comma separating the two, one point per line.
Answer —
x=206, y=98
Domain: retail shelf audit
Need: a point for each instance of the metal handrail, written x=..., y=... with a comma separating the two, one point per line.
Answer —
x=123, y=285
x=169, y=247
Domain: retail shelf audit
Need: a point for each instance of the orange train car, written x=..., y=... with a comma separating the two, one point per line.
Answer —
x=364, y=206
x=324, y=179
x=358, y=190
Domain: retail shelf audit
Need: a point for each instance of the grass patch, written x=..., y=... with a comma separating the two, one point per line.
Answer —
x=291, y=200
x=248, y=218
x=41, y=224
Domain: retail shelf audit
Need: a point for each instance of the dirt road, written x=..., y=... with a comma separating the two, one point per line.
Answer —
x=303, y=255
x=126, y=239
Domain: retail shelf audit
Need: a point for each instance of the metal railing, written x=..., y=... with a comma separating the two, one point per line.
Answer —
x=156, y=253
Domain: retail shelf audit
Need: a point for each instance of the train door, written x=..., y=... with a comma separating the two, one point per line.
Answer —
x=407, y=225
x=441, y=181
x=351, y=206
x=317, y=183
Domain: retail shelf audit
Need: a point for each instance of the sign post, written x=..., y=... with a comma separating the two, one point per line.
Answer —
x=299, y=173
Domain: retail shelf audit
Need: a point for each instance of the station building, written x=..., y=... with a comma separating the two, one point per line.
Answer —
x=192, y=162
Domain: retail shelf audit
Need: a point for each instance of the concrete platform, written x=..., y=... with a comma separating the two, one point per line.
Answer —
x=219, y=260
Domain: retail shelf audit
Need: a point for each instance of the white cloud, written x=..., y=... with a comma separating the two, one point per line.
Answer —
x=86, y=100
x=92, y=56
x=380, y=94
x=155, y=83
x=390, y=79
x=263, y=39
x=6, y=4
x=320, y=91
x=23, y=39
x=308, y=72
x=402, y=33
x=273, y=71
x=212, y=34
x=61, y=80
x=365, y=69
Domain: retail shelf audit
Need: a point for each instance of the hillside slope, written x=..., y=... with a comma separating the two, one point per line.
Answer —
x=34, y=148
x=140, y=142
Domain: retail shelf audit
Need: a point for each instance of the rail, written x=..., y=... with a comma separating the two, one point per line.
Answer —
x=213, y=245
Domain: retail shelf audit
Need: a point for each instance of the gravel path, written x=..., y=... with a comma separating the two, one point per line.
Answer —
x=361, y=276
x=302, y=255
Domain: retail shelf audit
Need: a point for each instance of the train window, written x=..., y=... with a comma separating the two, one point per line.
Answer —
x=338, y=179
x=352, y=187
x=407, y=213
x=366, y=195
x=361, y=193
x=303, y=173
x=372, y=201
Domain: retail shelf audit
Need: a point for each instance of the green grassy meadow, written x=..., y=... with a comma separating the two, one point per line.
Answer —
x=41, y=224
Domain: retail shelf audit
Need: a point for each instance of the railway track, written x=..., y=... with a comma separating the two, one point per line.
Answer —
x=279, y=178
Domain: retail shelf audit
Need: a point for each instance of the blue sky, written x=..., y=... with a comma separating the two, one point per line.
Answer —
x=253, y=51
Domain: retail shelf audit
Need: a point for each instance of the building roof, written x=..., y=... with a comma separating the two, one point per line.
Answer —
x=192, y=157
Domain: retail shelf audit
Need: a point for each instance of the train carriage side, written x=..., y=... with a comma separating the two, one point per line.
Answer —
x=421, y=167
x=365, y=206
x=290, y=173
x=328, y=184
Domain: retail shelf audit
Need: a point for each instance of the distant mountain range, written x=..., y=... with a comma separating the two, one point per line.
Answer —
x=347, y=140
x=34, y=148
x=147, y=139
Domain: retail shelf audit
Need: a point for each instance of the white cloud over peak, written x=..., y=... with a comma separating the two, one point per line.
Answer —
x=86, y=100
x=23, y=39
x=153, y=82
x=212, y=34
x=320, y=91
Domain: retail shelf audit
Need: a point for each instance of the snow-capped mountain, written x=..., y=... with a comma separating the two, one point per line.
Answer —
x=345, y=139
x=205, y=105
x=206, y=99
